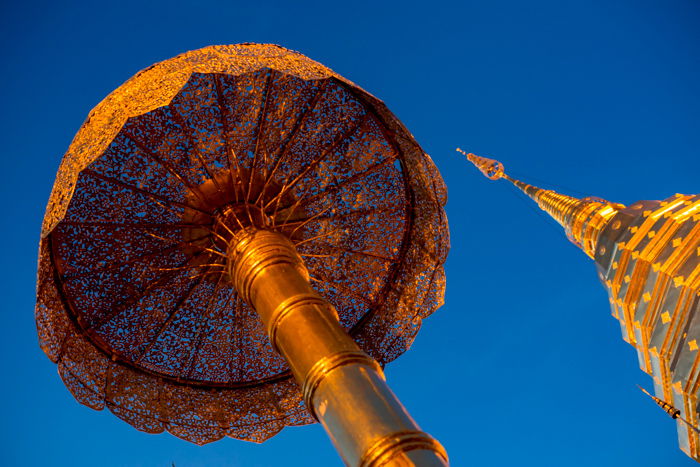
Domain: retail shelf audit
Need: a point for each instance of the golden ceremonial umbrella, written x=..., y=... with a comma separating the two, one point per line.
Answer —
x=219, y=226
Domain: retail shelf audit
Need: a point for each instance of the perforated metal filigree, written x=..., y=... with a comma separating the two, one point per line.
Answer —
x=133, y=301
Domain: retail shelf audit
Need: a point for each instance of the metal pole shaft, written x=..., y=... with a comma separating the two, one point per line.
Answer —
x=343, y=387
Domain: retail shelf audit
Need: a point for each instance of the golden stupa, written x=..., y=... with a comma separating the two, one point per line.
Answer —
x=648, y=258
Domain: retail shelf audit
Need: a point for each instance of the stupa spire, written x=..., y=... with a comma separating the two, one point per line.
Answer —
x=582, y=219
x=648, y=258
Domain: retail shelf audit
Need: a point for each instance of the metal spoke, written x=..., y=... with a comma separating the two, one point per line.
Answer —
x=345, y=215
x=113, y=266
x=132, y=225
x=188, y=134
x=341, y=138
x=150, y=286
x=310, y=219
x=313, y=102
x=204, y=317
x=237, y=325
x=233, y=165
x=141, y=191
x=158, y=160
x=320, y=278
x=259, y=132
x=171, y=314
x=351, y=179
x=355, y=252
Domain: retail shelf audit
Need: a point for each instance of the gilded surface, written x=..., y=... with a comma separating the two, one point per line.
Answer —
x=649, y=261
x=133, y=302
x=648, y=258
x=582, y=219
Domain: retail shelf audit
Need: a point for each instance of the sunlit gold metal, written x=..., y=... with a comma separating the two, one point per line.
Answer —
x=672, y=412
x=648, y=258
x=492, y=169
x=255, y=153
x=582, y=219
x=343, y=387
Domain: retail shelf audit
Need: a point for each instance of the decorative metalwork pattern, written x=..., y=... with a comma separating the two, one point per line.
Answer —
x=134, y=302
x=648, y=258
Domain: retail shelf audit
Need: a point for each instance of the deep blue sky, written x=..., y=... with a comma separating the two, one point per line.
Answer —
x=524, y=364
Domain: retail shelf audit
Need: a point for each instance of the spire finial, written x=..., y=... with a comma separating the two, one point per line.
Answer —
x=492, y=169
x=582, y=219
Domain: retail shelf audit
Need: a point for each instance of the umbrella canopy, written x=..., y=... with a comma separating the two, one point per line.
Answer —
x=133, y=301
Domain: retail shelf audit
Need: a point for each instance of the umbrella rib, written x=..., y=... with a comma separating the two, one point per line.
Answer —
x=132, y=225
x=223, y=115
x=334, y=188
x=314, y=237
x=146, y=193
x=258, y=132
x=188, y=134
x=237, y=303
x=356, y=252
x=171, y=314
x=113, y=266
x=311, y=105
x=307, y=220
x=200, y=323
x=192, y=244
x=359, y=212
x=134, y=299
x=334, y=145
x=149, y=287
x=321, y=278
x=163, y=163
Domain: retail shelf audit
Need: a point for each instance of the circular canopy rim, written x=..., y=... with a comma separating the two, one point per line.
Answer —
x=74, y=162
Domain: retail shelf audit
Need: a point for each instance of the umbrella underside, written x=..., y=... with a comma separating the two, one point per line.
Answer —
x=140, y=265
x=134, y=303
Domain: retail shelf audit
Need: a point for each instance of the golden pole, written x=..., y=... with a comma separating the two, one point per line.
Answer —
x=343, y=387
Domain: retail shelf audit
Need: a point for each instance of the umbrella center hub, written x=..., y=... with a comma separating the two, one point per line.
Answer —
x=231, y=201
x=235, y=217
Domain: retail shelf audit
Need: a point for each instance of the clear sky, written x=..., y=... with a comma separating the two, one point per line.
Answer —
x=524, y=364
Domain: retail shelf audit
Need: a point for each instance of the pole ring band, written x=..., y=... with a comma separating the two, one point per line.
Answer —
x=252, y=270
x=318, y=372
x=388, y=447
x=253, y=252
x=288, y=306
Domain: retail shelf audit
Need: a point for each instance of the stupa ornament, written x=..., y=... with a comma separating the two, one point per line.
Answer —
x=238, y=240
x=648, y=258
